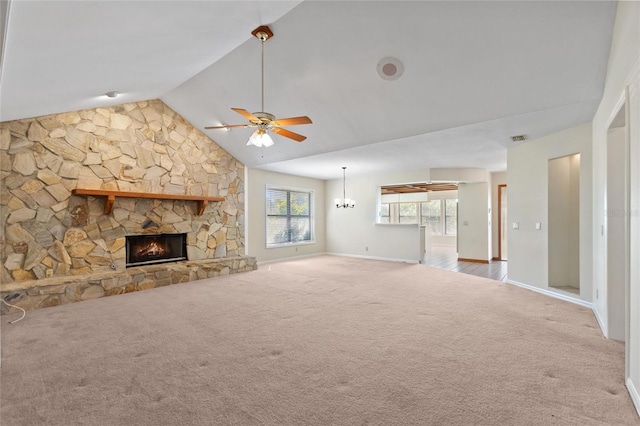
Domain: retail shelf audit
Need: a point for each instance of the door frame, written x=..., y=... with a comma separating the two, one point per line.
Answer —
x=622, y=106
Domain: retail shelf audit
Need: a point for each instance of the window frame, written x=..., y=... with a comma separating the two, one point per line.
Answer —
x=395, y=216
x=289, y=189
x=445, y=216
x=382, y=215
x=440, y=216
x=416, y=211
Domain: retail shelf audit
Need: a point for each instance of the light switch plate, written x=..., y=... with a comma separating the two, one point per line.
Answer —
x=538, y=226
x=516, y=225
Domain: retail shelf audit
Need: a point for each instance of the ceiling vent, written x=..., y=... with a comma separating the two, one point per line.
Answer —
x=390, y=68
x=518, y=138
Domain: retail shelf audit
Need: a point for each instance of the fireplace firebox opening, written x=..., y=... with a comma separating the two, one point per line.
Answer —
x=155, y=248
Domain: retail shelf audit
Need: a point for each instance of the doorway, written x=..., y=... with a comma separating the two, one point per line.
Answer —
x=502, y=221
x=617, y=225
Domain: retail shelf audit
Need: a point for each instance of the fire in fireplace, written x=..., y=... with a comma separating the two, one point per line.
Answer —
x=156, y=248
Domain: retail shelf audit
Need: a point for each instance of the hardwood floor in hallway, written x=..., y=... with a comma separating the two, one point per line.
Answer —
x=447, y=258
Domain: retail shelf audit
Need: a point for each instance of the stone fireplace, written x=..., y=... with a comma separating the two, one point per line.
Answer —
x=155, y=249
x=60, y=244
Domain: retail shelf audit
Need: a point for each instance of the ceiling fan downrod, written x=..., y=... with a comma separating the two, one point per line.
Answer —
x=263, y=34
x=264, y=121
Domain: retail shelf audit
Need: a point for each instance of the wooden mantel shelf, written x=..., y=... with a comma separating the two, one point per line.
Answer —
x=110, y=197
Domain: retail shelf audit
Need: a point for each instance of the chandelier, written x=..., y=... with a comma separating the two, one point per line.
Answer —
x=345, y=202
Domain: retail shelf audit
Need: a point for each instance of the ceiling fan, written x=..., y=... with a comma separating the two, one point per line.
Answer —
x=263, y=121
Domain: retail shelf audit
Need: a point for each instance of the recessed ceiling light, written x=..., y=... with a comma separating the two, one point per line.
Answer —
x=112, y=94
x=390, y=68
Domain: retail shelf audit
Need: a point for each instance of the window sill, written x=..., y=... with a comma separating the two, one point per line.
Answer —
x=396, y=224
x=300, y=243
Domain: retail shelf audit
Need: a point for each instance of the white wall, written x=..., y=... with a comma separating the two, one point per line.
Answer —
x=354, y=231
x=633, y=303
x=459, y=175
x=255, y=243
x=497, y=178
x=413, y=197
x=624, y=53
x=527, y=174
x=473, y=221
x=474, y=239
x=622, y=75
x=616, y=229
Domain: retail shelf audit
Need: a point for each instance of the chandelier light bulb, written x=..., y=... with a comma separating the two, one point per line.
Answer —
x=344, y=202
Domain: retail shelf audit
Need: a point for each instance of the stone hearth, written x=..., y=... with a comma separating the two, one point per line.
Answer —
x=61, y=290
x=51, y=237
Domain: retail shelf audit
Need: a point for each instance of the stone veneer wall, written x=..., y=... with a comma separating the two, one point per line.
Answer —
x=143, y=147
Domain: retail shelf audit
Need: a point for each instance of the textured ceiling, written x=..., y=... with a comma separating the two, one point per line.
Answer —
x=475, y=73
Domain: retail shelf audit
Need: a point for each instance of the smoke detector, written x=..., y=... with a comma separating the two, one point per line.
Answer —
x=390, y=68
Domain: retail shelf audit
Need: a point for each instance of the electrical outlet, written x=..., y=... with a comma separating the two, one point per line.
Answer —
x=516, y=225
x=48, y=273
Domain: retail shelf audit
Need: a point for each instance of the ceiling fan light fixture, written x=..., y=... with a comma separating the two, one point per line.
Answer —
x=260, y=138
x=264, y=121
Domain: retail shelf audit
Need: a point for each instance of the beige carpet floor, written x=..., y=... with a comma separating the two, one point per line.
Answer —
x=319, y=341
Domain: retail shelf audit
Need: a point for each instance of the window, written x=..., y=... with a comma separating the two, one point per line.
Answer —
x=408, y=212
x=288, y=216
x=385, y=213
x=430, y=216
x=451, y=216
x=440, y=216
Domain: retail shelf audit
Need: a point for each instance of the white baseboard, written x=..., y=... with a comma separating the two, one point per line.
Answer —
x=388, y=259
x=601, y=323
x=553, y=294
x=285, y=259
x=635, y=396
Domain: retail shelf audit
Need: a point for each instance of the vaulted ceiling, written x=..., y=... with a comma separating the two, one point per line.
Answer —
x=475, y=73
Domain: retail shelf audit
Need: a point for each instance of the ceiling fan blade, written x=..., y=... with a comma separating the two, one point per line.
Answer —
x=246, y=114
x=288, y=134
x=292, y=121
x=230, y=126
